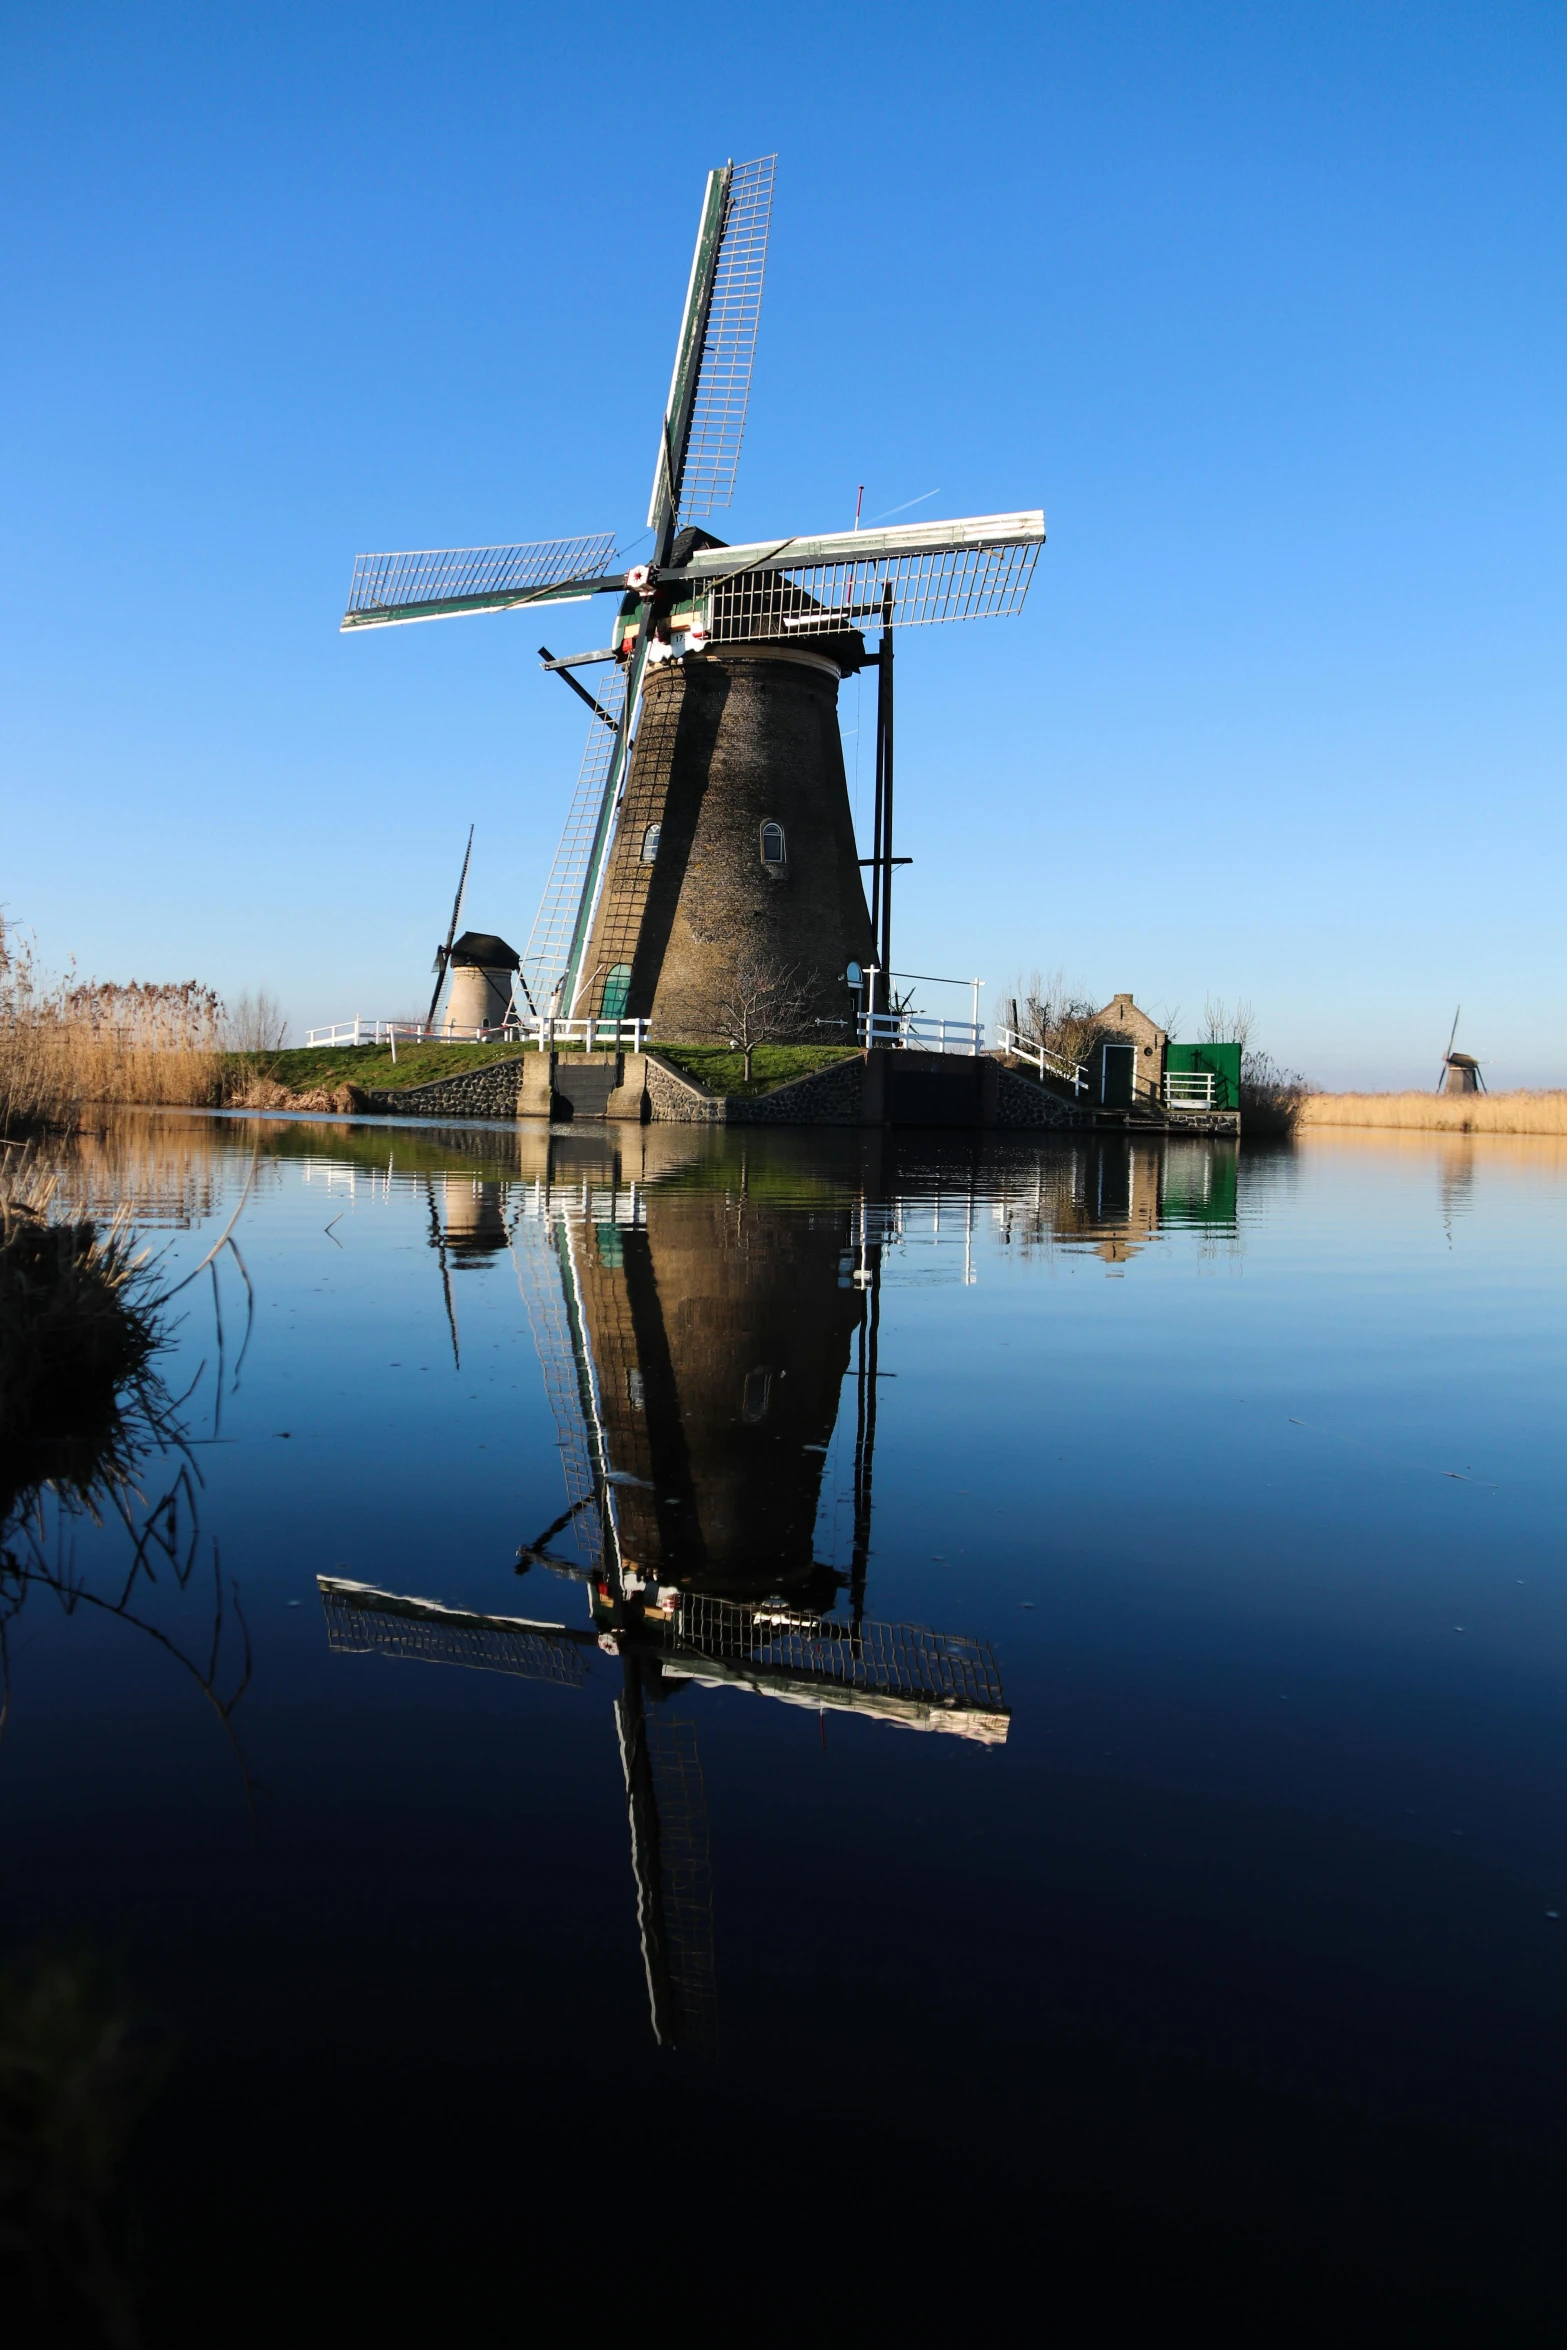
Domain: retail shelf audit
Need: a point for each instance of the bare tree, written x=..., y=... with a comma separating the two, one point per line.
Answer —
x=255, y=1023
x=763, y=1000
x=1224, y=1023
x=1056, y=1016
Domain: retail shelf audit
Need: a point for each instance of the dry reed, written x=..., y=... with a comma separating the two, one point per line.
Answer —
x=1523, y=1112
x=65, y=1047
x=76, y=1331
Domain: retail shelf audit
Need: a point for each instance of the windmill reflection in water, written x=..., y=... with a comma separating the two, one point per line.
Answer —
x=694, y=1355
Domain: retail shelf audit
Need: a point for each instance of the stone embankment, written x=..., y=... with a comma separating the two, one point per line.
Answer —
x=869, y=1089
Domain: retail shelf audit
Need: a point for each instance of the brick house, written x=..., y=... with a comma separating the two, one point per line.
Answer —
x=1126, y=1065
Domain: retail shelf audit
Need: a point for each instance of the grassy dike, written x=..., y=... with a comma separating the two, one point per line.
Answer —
x=323, y=1068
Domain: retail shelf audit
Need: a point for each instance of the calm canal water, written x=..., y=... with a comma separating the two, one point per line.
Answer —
x=834, y=1726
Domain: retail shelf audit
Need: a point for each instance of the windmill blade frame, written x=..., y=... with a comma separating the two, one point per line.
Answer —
x=546, y=960
x=710, y=383
x=362, y=1620
x=1448, y=1055
x=442, y=583
x=979, y=568
x=723, y=386
x=443, y=959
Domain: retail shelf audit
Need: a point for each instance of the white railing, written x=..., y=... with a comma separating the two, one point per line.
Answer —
x=1040, y=1057
x=543, y=1033
x=1188, y=1089
x=915, y=1032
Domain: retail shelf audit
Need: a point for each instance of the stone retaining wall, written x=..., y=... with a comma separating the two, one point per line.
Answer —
x=491, y=1092
x=1020, y=1101
x=651, y=1087
x=828, y=1097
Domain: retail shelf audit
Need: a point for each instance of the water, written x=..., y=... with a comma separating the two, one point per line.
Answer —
x=1149, y=1907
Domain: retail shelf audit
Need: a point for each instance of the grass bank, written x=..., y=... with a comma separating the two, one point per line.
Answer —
x=314, y=1076
x=1523, y=1112
x=771, y=1064
x=325, y=1069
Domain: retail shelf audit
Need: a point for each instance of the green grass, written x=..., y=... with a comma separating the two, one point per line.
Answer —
x=371, y=1064
x=771, y=1064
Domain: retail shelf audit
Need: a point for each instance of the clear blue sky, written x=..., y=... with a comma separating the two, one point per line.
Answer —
x=1263, y=304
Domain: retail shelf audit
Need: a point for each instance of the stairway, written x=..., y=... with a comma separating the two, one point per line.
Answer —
x=582, y=1087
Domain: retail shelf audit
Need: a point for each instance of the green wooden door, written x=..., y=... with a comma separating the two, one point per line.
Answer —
x=1115, y=1081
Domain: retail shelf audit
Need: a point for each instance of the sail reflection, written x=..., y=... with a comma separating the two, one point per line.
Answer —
x=696, y=1351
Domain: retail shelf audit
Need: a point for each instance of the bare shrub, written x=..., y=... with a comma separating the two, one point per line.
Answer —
x=254, y=1023
x=1224, y=1023
x=245, y=1091
x=1050, y=1013
x=763, y=1000
x=1272, y=1098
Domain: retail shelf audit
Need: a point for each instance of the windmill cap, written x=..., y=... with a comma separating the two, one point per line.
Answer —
x=1462, y=1061
x=483, y=948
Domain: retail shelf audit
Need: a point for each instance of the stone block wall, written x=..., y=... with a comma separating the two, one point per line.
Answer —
x=491, y=1092
x=829, y=1097
x=650, y=1087
x=1022, y=1101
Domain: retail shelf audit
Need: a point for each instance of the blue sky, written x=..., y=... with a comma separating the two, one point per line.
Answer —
x=1263, y=304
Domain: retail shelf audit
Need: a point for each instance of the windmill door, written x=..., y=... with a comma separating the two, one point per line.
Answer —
x=1115, y=1077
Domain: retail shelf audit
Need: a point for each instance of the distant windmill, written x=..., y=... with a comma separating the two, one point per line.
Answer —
x=732, y=820
x=1460, y=1071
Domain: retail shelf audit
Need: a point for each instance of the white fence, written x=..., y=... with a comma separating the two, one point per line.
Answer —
x=1188, y=1089
x=915, y=1032
x=1040, y=1057
x=597, y=1035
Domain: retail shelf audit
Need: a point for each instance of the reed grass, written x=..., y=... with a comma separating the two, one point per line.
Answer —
x=1542, y=1111
x=65, y=1046
x=77, y=1329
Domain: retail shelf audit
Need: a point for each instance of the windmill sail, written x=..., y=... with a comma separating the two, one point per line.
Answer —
x=723, y=387
x=547, y=955
x=547, y=1279
x=362, y=1621
x=704, y=416
x=976, y=569
x=898, y=1673
x=440, y=583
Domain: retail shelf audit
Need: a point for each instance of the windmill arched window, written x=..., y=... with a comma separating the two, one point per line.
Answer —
x=650, y=843
x=774, y=851
x=616, y=989
x=757, y=1394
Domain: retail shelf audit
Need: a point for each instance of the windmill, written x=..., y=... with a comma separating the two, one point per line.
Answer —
x=712, y=804
x=1460, y=1071
x=617, y=1371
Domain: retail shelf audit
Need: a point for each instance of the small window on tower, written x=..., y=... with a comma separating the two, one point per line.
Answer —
x=650, y=843
x=757, y=1395
x=773, y=844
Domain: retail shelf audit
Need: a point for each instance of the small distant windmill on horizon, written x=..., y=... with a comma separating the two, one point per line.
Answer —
x=712, y=809
x=1460, y=1071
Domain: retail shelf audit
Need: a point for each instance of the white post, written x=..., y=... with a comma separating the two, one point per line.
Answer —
x=976, y=985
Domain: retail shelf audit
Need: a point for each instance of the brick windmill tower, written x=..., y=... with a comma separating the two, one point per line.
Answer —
x=711, y=818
